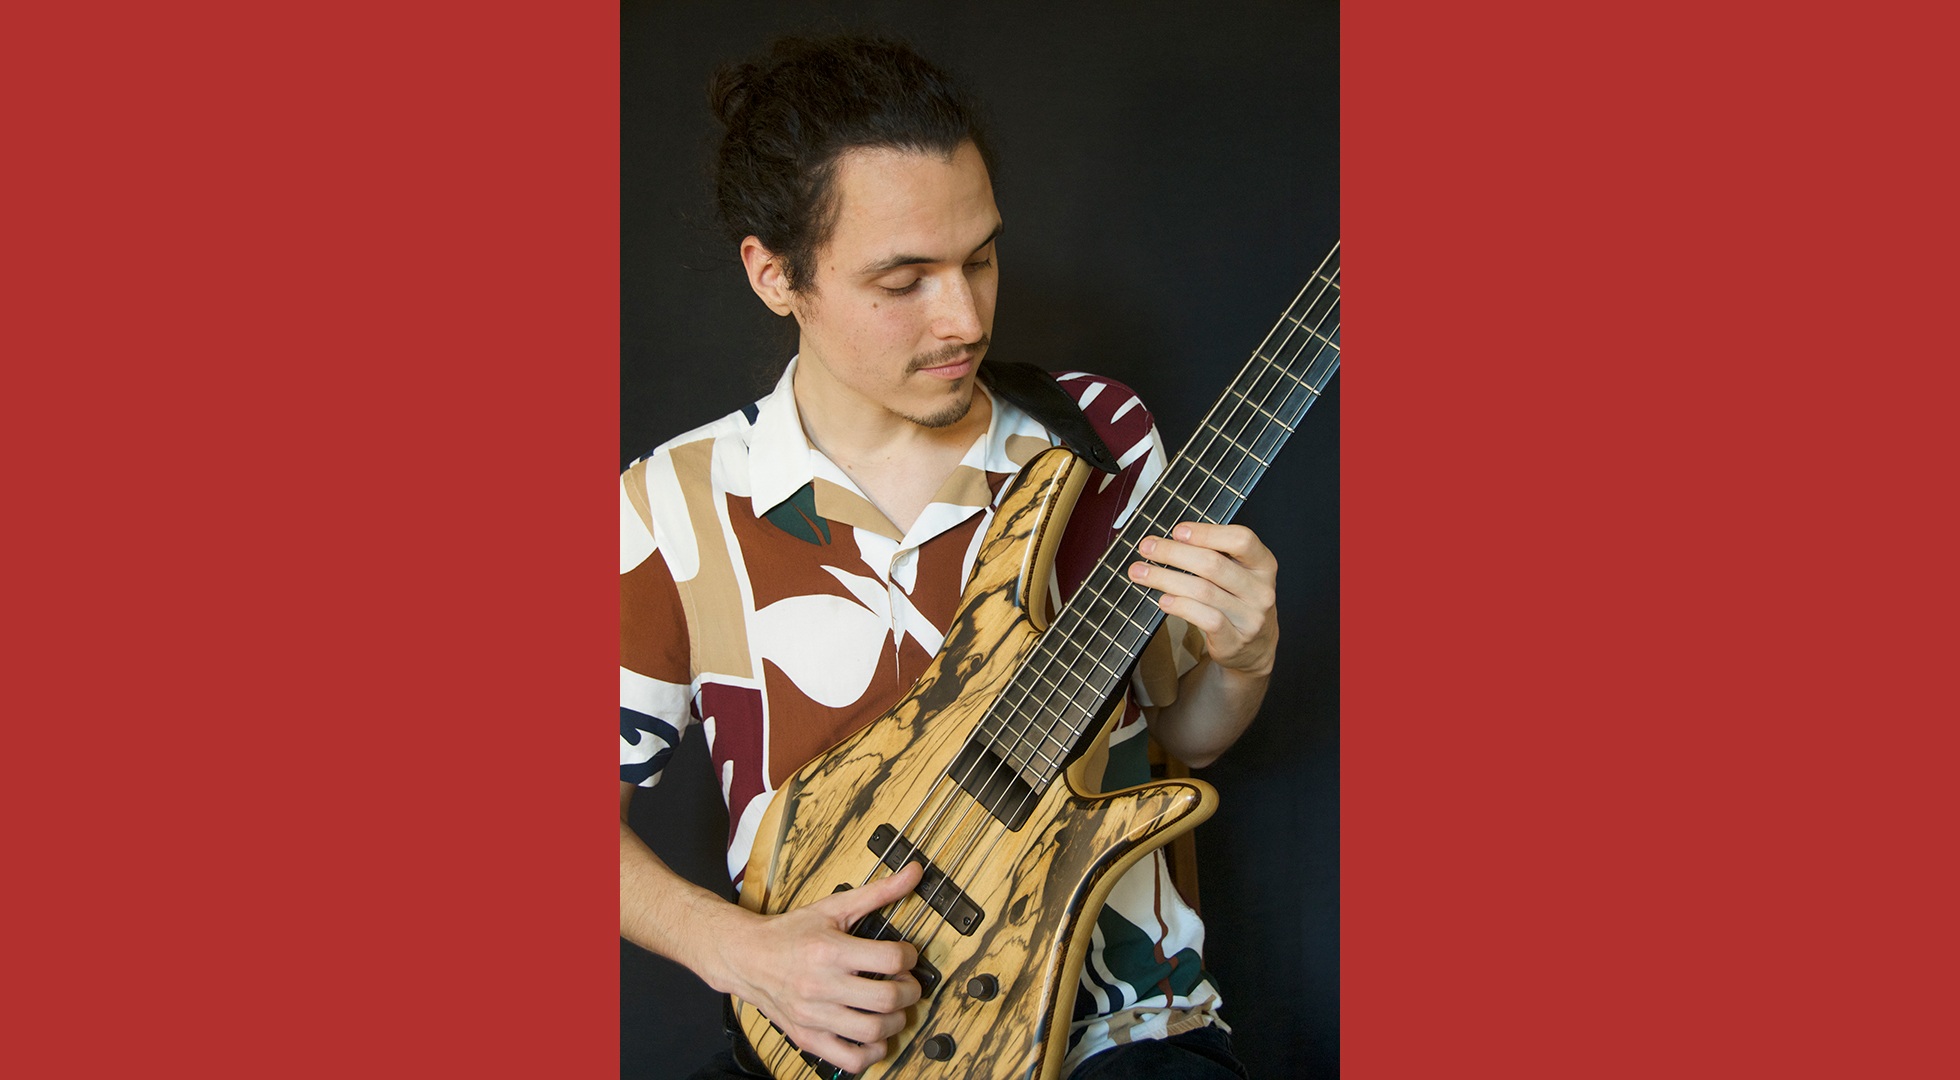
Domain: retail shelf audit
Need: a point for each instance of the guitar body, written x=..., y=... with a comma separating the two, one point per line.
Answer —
x=1031, y=893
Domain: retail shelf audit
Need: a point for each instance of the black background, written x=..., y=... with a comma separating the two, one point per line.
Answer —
x=1168, y=179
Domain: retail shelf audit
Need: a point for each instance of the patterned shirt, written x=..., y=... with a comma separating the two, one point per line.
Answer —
x=765, y=598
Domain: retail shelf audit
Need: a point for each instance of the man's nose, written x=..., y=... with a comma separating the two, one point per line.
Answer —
x=956, y=313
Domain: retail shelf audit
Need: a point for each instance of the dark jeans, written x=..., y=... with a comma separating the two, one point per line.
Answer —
x=1204, y=1054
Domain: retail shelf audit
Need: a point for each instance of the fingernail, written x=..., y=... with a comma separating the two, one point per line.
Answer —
x=1182, y=532
x=1137, y=570
x=1149, y=545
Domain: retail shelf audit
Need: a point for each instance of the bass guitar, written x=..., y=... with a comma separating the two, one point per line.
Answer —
x=975, y=772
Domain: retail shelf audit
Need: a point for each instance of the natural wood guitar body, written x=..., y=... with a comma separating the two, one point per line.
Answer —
x=1037, y=888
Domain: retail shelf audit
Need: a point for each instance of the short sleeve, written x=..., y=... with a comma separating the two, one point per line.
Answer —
x=654, y=669
x=1173, y=650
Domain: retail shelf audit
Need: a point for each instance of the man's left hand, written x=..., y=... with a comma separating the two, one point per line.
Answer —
x=1225, y=589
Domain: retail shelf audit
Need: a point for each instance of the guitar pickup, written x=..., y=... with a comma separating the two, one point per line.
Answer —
x=939, y=893
x=875, y=927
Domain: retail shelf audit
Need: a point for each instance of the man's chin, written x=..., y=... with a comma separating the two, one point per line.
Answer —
x=952, y=413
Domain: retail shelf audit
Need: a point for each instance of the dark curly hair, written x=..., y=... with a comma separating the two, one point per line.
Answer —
x=789, y=114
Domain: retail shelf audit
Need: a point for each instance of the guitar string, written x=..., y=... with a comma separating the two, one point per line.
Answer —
x=1206, y=511
x=1217, y=431
x=988, y=821
x=787, y=1047
x=1191, y=453
x=1049, y=654
x=1264, y=418
x=1212, y=434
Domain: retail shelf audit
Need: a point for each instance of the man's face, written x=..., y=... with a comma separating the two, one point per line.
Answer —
x=903, y=300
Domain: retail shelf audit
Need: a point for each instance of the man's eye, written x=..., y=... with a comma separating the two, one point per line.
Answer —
x=901, y=290
x=981, y=265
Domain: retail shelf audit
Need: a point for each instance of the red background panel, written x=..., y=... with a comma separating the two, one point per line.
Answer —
x=311, y=326
x=312, y=333
x=1648, y=541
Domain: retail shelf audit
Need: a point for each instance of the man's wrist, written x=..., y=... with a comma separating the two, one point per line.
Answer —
x=709, y=926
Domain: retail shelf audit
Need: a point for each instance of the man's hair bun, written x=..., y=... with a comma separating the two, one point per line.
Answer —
x=728, y=91
x=788, y=114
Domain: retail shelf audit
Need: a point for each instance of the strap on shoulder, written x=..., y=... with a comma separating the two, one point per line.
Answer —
x=1036, y=393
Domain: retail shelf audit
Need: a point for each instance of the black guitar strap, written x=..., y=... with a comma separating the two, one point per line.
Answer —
x=1036, y=393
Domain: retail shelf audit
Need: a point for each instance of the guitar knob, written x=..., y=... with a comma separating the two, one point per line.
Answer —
x=982, y=987
x=939, y=1047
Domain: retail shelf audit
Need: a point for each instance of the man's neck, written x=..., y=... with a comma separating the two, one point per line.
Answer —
x=898, y=463
x=846, y=425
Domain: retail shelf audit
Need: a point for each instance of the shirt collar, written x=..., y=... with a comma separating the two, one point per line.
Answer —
x=782, y=461
x=779, y=453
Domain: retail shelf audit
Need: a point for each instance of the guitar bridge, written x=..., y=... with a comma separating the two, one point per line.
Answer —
x=939, y=893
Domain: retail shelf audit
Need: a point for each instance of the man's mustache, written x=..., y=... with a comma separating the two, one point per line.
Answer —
x=948, y=355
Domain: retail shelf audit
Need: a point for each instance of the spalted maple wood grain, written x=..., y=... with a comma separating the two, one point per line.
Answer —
x=1039, y=888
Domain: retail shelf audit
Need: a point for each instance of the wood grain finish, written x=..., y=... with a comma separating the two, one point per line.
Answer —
x=1038, y=888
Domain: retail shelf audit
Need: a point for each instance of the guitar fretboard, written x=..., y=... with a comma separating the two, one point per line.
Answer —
x=1079, y=666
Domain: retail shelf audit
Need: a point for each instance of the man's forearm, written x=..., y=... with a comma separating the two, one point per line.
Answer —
x=662, y=912
x=834, y=994
x=1214, y=706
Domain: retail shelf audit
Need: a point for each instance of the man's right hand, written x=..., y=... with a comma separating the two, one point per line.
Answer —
x=801, y=969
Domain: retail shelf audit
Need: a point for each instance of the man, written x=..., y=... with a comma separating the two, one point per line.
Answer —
x=788, y=570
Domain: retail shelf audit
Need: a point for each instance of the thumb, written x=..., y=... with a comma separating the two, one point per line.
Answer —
x=857, y=903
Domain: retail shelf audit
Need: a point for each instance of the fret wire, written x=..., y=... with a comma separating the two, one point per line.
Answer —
x=1315, y=335
x=1103, y=690
x=1184, y=500
x=1115, y=609
x=1021, y=753
x=1023, y=749
x=1054, y=682
x=1326, y=298
x=1026, y=749
x=1034, y=749
x=1217, y=427
x=1319, y=275
x=1263, y=463
x=1245, y=419
x=1008, y=750
x=1282, y=322
x=1325, y=292
x=1097, y=628
x=1082, y=651
x=1298, y=322
x=1261, y=408
x=1111, y=568
x=1325, y=345
x=1061, y=714
x=1216, y=479
x=1046, y=705
x=1253, y=431
x=1099, y=690
x=1218, y=432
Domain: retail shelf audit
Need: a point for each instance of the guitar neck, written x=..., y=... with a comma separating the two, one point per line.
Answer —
x=1057, y=698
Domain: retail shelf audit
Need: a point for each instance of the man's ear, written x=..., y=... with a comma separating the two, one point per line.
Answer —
x=766, y=275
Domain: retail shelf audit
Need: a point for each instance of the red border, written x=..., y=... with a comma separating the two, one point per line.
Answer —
x=314, y=454
x=1648, y=547
x=311, y=317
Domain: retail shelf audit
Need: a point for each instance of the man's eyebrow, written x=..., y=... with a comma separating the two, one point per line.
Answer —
x=896, y=261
